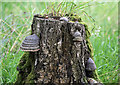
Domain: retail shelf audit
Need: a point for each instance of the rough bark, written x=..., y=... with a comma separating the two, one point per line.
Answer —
x=60, y=59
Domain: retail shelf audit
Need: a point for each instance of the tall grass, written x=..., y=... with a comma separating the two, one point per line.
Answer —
x=16, y=25
x=105, y=41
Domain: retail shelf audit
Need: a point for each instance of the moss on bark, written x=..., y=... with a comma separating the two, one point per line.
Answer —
x=94, y=74
x=26, y=69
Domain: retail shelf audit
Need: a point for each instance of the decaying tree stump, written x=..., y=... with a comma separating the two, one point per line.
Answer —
x=60, y=59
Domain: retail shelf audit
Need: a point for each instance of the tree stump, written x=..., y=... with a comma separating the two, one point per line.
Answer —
x=60, y=59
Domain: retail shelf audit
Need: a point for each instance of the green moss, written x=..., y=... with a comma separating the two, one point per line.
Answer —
x=88, y=34
x=76, y=17
x=95, y=76
x=20, y=66
x=26, y=69
x=31, y=76
x=85, y=80
x=90, y=48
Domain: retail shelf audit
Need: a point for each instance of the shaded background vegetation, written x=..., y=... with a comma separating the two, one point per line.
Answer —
x=16, y=20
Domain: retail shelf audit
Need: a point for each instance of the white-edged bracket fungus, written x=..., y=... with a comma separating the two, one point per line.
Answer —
x=77, y=37
x=90, y=65
x=30, y=43
x=92, y=81
x=64, y=20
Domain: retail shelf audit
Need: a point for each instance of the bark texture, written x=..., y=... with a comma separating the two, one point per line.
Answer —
x=60, y=59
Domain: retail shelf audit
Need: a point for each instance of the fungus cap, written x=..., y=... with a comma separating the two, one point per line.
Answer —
x=64, y=19
x=90, y=65
x=77, y=37
x=30, y=43
x=77, y=34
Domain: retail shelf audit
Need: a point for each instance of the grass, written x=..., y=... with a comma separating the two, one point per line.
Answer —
x=16, y=20
x=105, y=42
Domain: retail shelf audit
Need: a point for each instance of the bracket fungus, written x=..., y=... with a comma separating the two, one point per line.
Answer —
x=30, y=43
x=92, y=81
x=90, y=65
x=64, y=19
x=77, y=37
